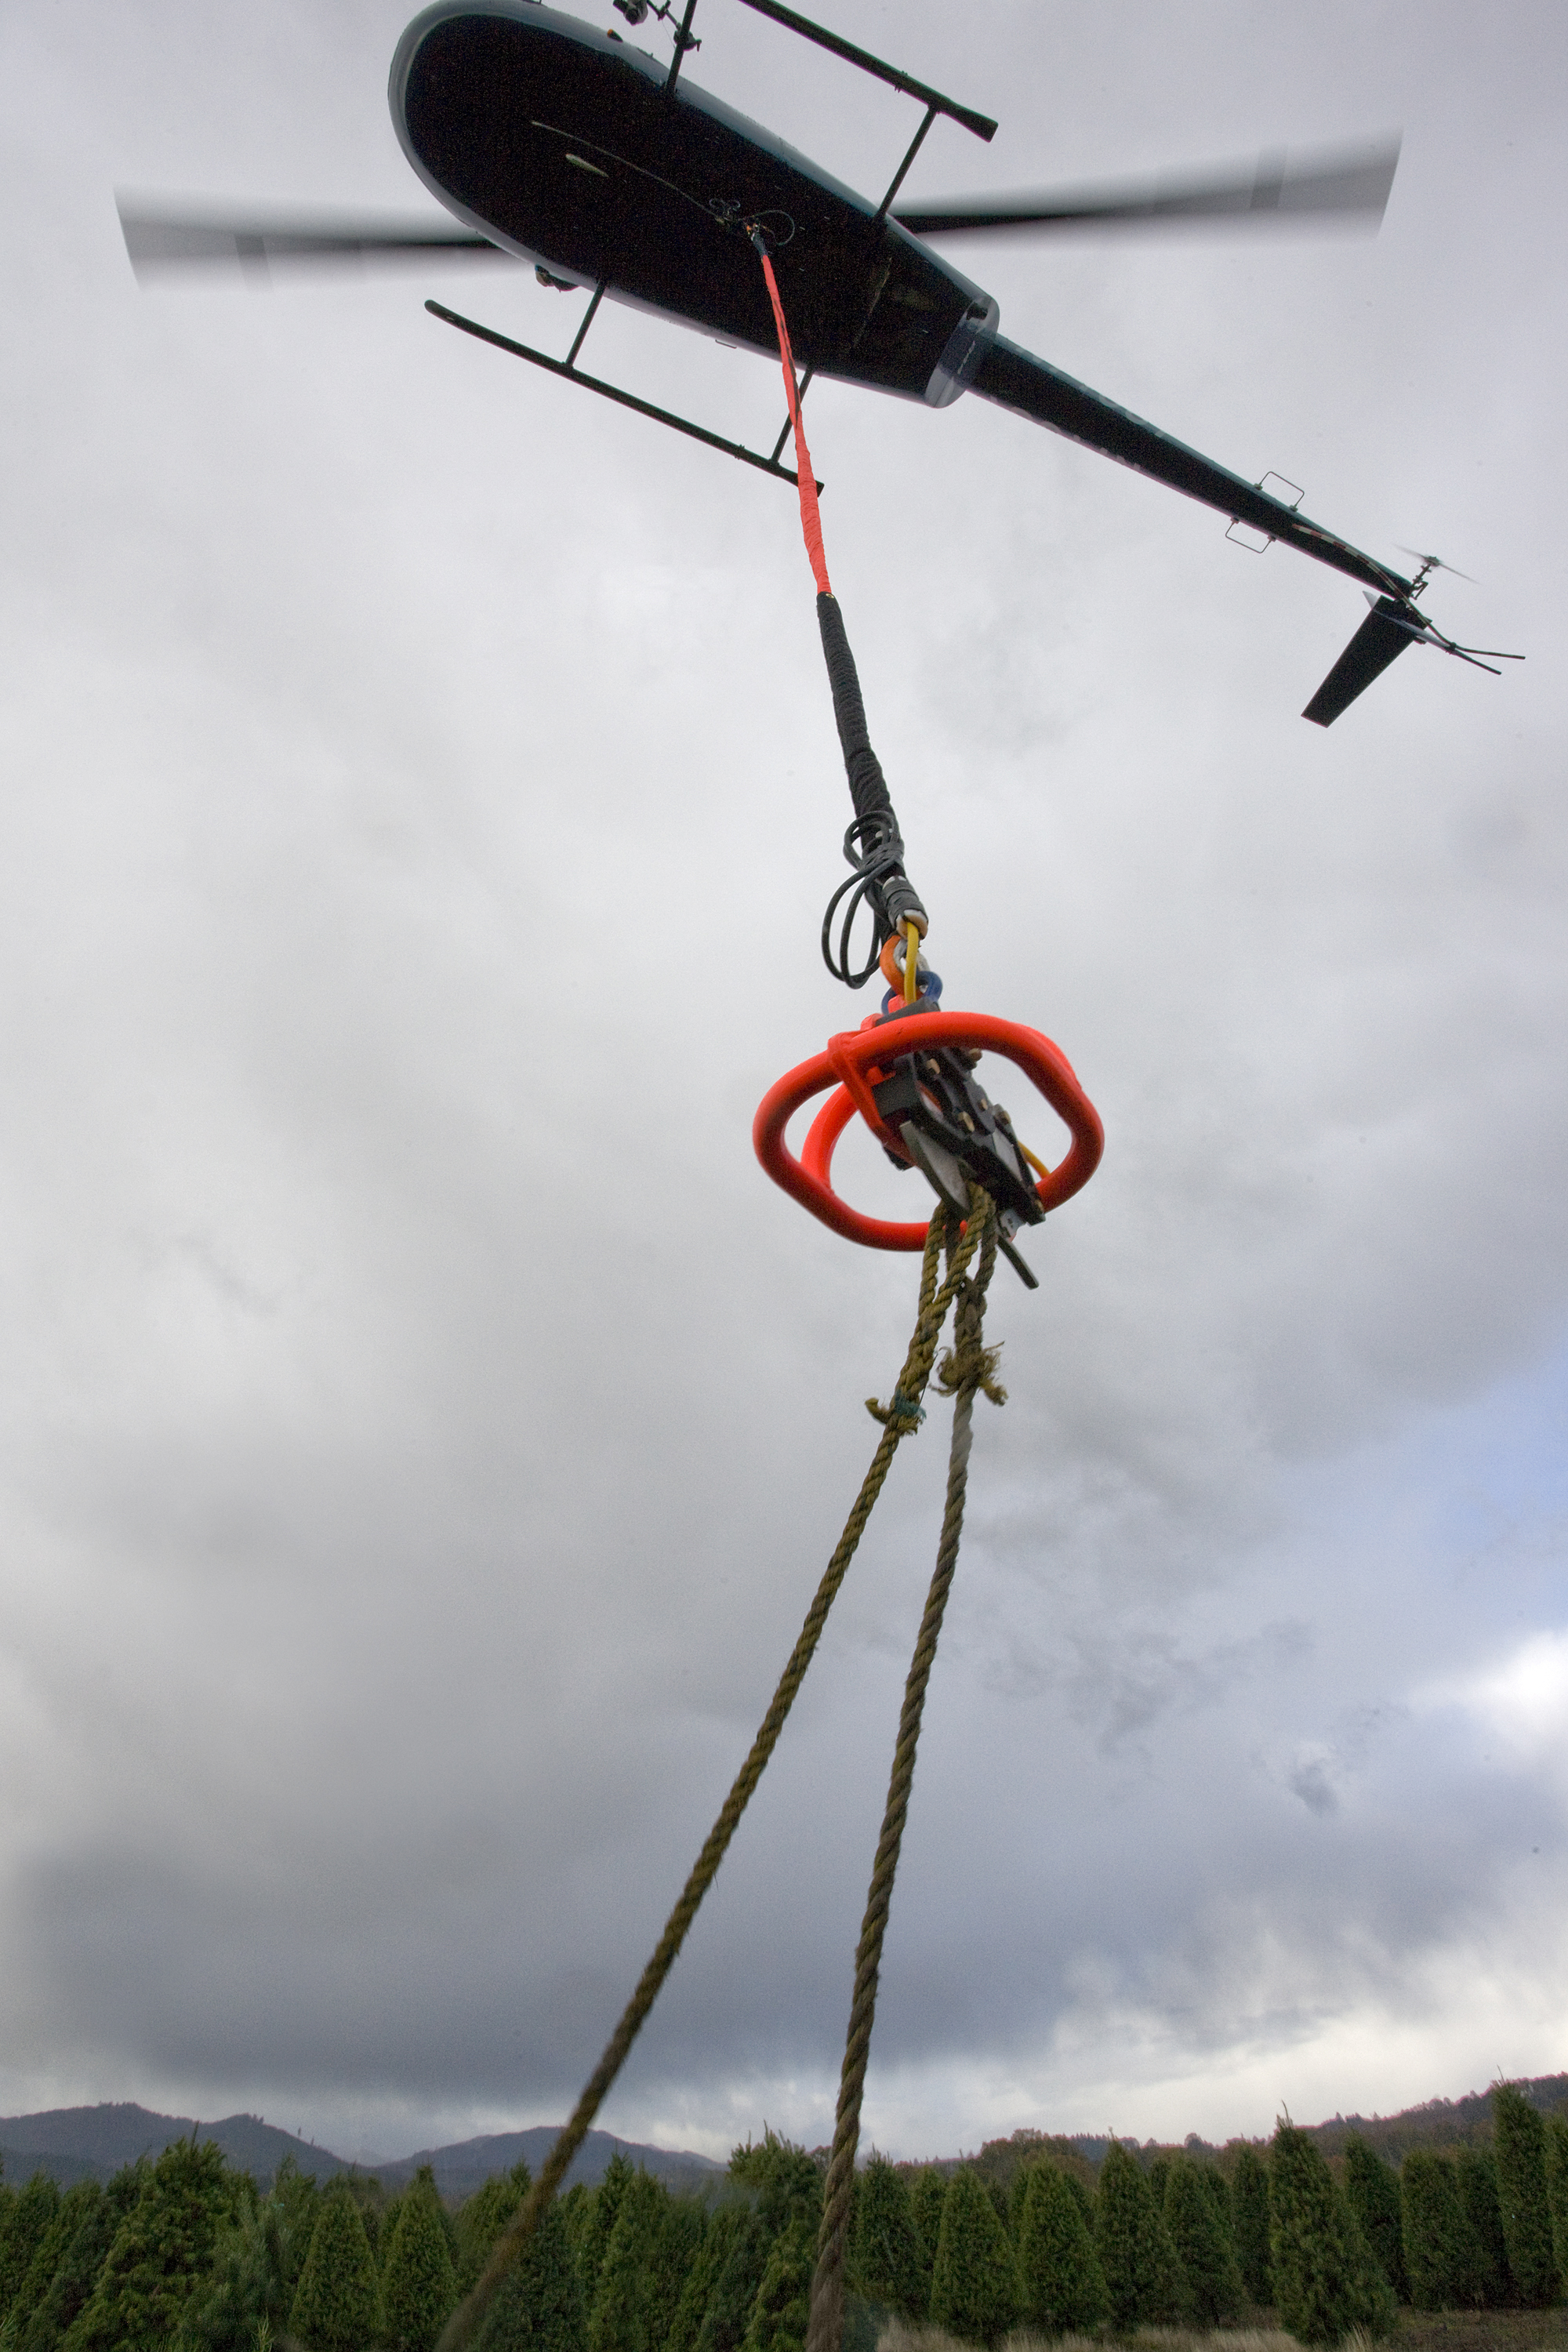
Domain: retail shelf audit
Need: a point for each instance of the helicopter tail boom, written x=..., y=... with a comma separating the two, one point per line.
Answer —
x=1016, y=379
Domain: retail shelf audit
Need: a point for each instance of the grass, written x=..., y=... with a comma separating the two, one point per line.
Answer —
x=1414, y=2331
x=1481, y=2331
x=896, y=2337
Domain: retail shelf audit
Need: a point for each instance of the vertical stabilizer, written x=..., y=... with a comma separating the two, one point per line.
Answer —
x=1380, y=638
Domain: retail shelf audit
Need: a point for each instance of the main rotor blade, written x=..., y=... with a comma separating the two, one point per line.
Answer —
x=162, y=237
x=1350, y=183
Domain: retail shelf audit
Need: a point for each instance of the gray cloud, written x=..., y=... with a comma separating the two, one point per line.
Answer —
x=421, y=1424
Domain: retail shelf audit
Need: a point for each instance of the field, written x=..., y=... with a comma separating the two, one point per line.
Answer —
x=1414, y=2331
x=1481, y=2331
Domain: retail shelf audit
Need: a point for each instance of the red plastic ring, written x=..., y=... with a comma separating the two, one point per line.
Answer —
x=850, y=1059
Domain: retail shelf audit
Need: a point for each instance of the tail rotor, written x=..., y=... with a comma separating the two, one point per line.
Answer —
x=1393, y=623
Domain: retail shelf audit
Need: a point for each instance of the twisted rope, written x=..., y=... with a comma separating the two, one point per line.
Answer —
x=968, y=1366
x=899, y=1419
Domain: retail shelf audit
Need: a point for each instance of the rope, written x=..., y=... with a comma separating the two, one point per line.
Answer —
x=900, y=1417
x=968, y=1366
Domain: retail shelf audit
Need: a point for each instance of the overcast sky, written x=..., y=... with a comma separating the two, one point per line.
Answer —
x=422, y=1426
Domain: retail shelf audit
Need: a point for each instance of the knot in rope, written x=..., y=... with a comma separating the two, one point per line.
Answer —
x=969, y=1365
x=901, y=1413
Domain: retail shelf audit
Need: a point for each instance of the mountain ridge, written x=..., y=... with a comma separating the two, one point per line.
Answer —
x=74, y=2144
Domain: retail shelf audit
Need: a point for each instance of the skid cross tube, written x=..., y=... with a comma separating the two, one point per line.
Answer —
x=981, y=124
x=849, y=1060
x=612, y=391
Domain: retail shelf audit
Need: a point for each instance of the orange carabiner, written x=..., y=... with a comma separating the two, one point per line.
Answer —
x=854, y=1059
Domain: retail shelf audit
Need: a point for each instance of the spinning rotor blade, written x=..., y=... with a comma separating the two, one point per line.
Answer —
x=160, y=237
x=1436, y=563
x=1350, y=184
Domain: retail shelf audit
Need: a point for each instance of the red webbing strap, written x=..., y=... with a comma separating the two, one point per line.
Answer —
x=810, y=519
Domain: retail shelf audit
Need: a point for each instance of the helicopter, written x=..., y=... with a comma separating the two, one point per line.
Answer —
x=613, y=174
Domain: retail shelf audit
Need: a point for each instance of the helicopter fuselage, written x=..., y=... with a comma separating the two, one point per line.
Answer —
x=574, y=150
x=567, y=147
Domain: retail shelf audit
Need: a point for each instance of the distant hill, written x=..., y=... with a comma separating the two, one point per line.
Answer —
x=1436, y=2122
x=91, y=2143
x=467, y=2164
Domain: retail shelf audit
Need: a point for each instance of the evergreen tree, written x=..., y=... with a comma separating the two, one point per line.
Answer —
x=728, y=2311
x=1081, y=2198
x=419, y=2285
x=1326, y=2281
x=1159, y=2178
x=1209, y=2285
x=483, y=2217
x=1061, y=2286
x=83, y=2259
x=73, y=2209
x=783, y=2305
x=1440, y=2258
x=787, y=2184
x=162, y=2252
x=30, y=2217
x=675, y=2250
x=600, y=2224
x=1217, y=2187
x=1521, y=2143
x=617, y=2321
x=927, y=2198
x=1557, y=2188
x=885, y=2262
x=787, y=2187
x=1372, y=2189
x=249, y=2286
x=381, y=2227
x=1249, y=2204
x=719, y=2234
x=974, y=2281
x=1475, y=2170
x=1134, y=2245
x=337, y=2303
x=298, y=2201
x=538, y=2306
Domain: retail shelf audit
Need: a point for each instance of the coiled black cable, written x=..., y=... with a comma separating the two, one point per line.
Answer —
x=873, y=845
x=873, y=848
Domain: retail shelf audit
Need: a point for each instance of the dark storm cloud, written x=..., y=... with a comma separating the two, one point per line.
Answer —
x=422, y=1426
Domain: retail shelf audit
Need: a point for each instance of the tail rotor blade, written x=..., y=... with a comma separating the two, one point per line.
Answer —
x=1436, y=563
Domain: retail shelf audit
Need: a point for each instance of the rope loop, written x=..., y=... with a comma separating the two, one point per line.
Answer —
x=960, y=1242
x=969, y=1366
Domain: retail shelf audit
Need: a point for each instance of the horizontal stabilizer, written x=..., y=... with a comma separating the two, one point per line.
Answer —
x=1380, y=638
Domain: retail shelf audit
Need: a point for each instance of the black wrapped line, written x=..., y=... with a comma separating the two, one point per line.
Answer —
x=873, y=844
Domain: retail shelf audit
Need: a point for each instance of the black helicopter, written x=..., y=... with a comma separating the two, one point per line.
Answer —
x=611, y=173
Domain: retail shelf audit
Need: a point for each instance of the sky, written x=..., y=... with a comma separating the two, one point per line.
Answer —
x=422, y=1426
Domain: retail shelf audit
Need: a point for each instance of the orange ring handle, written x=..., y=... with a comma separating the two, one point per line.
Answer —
x=853, y=1054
